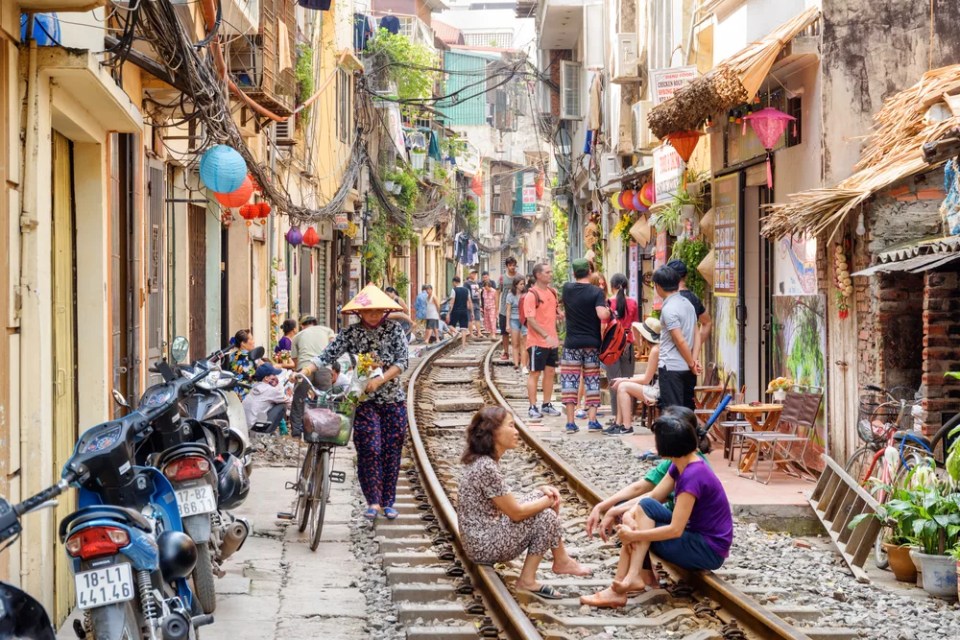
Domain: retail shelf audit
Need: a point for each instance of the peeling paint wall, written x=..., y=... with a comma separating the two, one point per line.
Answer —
x=871, y=50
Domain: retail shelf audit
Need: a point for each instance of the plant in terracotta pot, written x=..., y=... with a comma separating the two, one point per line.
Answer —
x=936, y=530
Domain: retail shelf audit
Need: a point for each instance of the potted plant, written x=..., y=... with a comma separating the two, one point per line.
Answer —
x=778, y=387
x=418, y=159
x=936, y=528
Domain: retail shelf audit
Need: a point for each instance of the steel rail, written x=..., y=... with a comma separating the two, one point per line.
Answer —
x=501, y=603
x=749, y=612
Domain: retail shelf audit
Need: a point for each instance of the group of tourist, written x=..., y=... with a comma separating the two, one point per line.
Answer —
x=678, y=511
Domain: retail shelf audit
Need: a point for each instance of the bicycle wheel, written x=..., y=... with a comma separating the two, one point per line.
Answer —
x=321, y=494
x=304, y=490
x=860, y=463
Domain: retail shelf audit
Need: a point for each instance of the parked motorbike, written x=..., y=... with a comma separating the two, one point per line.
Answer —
x=200, y=452
x=130, y=555
x=22, y=617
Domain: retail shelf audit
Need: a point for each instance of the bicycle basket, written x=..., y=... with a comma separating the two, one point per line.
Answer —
x=324, y=422
x=875, y=416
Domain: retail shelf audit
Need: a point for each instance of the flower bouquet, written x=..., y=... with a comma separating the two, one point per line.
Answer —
x=283, y=357
x=779, y=387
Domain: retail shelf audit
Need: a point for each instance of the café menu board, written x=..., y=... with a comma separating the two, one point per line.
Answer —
x=726, y=194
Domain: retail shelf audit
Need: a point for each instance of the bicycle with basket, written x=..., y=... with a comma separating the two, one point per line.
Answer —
x=327, y=424
x=886, y=423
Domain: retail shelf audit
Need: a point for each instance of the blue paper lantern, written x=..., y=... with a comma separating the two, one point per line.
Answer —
x=222, y=169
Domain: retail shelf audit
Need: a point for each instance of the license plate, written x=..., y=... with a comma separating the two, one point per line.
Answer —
x=196, y=500
x=104, y=586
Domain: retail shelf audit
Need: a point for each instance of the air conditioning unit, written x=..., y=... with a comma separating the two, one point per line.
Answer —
x=626, y=62
x=499, y=226
x=609, y=168
x=285, y=132
x=643, y=138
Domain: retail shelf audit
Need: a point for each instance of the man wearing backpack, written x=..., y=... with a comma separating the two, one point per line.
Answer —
x=540, y=307
x=503, y=323
x=476, y=316
x=586, y=308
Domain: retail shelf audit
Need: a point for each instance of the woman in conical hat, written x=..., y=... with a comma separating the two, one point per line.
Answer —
x=380, y=423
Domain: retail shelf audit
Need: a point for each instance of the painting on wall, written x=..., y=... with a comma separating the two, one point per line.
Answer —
x=799, y=344
x=795, y=270
x=726, y=338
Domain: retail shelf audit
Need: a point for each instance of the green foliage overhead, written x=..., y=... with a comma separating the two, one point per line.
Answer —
x=304, y=74
x=692, y=253
x=409, y=189
x=412, y=65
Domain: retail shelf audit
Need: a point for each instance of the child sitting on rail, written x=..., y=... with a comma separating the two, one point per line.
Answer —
x=696, y=535
x=496, y=525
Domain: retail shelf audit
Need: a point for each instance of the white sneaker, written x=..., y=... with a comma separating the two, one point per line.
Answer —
x=524, y=370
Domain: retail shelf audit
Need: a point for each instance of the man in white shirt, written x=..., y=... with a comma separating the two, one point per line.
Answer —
x=266, y=404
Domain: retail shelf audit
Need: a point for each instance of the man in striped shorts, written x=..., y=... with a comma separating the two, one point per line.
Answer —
x=586, y=307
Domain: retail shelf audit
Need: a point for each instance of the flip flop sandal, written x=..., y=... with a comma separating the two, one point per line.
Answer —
x=371, y=514
x=546, y=592
x=391, y=513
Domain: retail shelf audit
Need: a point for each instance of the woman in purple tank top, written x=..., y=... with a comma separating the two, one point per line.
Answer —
x=696, y=535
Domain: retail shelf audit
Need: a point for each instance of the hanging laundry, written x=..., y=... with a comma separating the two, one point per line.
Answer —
x=390, y=23
x=588, y=143
x=593, y=121
x=316, y=5
x=362, y=31
x=284, y=53
x=434, y=149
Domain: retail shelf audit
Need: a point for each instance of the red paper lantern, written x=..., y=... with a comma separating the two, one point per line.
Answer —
x=476, y=185
x=539, y=185
x=769, y=124
x=249, y=213
x=684, y=142
x=237, y=198
x=311, y=237
x=263, y=211
x=626, y=199
x=647, y=194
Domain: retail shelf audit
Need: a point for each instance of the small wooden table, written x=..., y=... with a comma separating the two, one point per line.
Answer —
x=762, y=417
x=707, y=397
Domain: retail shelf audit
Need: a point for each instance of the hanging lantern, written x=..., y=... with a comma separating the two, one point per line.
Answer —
x=222, y=169
x=311, y=237
x=637, y=203
x=294, y=237
x=249, y=212
x=626, y=199
x=237, y=197
x=476, y=185
x=647, y=194
x=684, y=142
x=538, y=184
x=226, y=218
x=769, y=124
x=615, y=201
x=263, y=211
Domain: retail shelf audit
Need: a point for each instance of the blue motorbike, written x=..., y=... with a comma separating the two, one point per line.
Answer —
x=130, y=555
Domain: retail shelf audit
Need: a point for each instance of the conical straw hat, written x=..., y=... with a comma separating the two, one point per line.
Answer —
x=707, y=223
x=706, y=267
x=640, y=231
x=371, y=298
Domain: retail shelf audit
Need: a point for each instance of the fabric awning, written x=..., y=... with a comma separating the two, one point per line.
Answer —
x=731, y=82
x=916, y=257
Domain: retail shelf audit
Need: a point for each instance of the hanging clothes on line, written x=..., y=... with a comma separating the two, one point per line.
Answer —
x=390, y=23
x=363, y=30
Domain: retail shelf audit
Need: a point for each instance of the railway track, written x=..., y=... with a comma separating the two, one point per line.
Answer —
x=439, y=593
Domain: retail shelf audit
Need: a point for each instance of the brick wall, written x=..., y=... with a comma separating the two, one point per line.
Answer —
x=941, y=347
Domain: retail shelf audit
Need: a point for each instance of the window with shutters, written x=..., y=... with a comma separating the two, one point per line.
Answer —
x=570, y=94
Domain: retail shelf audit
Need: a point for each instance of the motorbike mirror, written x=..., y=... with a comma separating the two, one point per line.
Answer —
x=179, y=349
x=120, y=400
x=257, y=353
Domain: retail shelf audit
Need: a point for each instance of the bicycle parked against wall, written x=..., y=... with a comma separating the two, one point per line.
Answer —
x=886, y=424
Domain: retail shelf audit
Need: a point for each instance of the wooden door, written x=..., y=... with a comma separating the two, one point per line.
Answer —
x=198, y=281
x=64, y=354
x=156, y=190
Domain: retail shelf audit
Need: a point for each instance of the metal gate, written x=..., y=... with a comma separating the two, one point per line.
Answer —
x=64, y=353
x=198, y=281
x=155, y=270
x=125, y=264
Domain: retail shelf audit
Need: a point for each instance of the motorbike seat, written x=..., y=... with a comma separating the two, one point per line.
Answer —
x=103, y=511
x=185, y=449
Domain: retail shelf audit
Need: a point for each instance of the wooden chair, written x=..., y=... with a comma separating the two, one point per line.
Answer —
x=795, y=427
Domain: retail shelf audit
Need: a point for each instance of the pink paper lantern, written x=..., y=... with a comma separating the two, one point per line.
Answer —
x=769, y=124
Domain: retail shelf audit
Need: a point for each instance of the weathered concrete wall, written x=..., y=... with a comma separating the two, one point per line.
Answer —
x=871, y=50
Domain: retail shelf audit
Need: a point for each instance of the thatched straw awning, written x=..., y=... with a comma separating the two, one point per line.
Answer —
x=734, y=81
x=893, y=152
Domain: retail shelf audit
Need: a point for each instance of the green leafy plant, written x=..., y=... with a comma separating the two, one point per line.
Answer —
x=411, y=65
x=304, y=74
x=560, y=244
x=692, y=252
x=401, y=282
x=468, y=210
x=409, y=188
x=453, y=146
x=669, y=217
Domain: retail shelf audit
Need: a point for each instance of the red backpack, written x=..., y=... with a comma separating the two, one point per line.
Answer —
x=614, y=341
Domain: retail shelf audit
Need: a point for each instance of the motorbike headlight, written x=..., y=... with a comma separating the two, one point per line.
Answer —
x=211, y=381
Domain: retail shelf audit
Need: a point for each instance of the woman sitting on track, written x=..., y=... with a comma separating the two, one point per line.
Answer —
x=496, y=525
x=696, y=535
